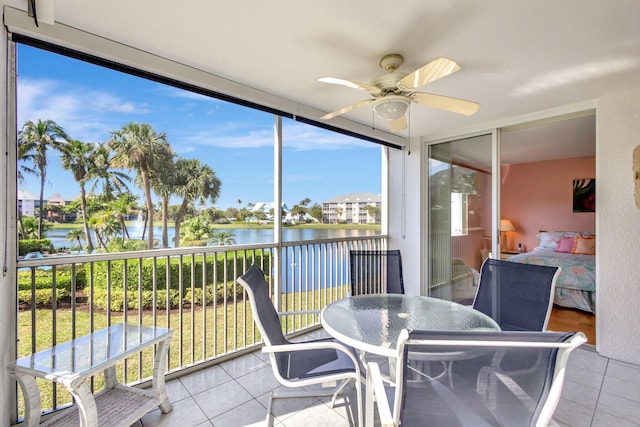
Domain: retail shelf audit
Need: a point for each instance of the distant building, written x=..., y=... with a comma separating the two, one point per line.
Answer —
x=267, y=208
x=29, y=204
x=353, y=208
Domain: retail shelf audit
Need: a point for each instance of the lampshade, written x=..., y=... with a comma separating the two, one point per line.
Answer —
x=506, y=225
x=391, y=107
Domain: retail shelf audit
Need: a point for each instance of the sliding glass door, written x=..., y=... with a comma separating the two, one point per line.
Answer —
x=460, y=205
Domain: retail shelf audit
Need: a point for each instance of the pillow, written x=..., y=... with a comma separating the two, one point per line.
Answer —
x=550, y=239
x=584, y=246
x=566, y=244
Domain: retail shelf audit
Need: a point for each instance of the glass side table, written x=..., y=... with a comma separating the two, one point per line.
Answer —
x=72, y=363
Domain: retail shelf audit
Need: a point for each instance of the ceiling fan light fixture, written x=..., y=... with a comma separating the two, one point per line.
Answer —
x=391, y=107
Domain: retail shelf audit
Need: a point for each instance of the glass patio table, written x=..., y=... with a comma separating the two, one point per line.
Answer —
x=372, y=323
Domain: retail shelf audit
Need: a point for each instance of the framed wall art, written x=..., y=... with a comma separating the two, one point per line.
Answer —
x=584, y=195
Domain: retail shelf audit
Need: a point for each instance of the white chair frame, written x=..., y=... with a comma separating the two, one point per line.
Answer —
x=389, y=417
x=343, y=378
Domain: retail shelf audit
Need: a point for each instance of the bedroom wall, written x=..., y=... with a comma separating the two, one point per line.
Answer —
x=538, y=196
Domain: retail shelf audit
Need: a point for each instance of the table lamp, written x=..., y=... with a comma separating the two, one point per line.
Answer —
x=505, y=226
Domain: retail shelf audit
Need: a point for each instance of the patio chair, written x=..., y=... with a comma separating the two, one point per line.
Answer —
x=376, y=272
x=299, y=364
x=484, y=395
x=519, y=297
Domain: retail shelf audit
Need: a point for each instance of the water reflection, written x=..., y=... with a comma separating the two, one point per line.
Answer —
x=58, y=236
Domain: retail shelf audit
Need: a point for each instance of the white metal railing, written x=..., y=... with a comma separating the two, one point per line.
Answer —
x=191, y=290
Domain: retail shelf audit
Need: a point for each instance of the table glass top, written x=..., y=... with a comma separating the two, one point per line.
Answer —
x=91, y=351
x=377, y=320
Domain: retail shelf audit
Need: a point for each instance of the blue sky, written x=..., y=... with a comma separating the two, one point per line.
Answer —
x=89, y=102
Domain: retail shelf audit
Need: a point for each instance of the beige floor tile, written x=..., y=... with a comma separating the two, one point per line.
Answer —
x=243, y=365
x=204, y=379
x=316, y=416
x=176, y=390
x=185, y=413
x=619, y=407
x=248, y=414
x=218, y=400
x=573, y=414
x=606, y=420
x=259, y=381
x=285, y=408
x=585, y=395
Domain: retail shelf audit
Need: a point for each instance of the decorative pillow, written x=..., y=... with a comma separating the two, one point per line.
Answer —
x=585, y=246
x=566, y=244
x=550, y=239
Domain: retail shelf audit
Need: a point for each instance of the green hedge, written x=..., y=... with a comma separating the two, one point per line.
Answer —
x=44, y=279
x=117, y=297
x=43, y=296
x=188, y=264
x=232, y=290
x=34, y=245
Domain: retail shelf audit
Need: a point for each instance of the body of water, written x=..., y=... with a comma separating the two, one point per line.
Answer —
x=293, y=271
x=58, y=236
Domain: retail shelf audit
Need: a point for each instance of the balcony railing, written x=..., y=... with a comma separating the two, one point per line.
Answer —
x=193, y=291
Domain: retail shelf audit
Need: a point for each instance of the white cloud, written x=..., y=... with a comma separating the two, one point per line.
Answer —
x=82, y=113
x=296, y=136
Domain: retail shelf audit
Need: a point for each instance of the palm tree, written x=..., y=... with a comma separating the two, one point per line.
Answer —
x=194, y=181
x=109, y=180
x=137, y=147
x=162, y=182
x=222, y=238
x=34, y=140
x=74, y=235
x=120, y=207
x=77, y=156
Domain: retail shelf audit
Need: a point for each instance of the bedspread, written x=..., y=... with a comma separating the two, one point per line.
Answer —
x=578, y=271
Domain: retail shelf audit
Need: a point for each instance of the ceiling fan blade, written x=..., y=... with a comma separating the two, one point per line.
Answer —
x=432, y=71
x=398, y=124
x=349, y=83
x=454, y=105
x=347, y=109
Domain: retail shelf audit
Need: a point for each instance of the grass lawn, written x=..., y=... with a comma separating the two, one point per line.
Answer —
x=199, y=334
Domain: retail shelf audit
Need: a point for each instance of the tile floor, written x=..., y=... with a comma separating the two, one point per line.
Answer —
x=597, y=392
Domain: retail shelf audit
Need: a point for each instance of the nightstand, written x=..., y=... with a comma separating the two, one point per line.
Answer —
x=506, y=254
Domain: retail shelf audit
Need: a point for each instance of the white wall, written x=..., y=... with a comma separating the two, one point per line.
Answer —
x=617, y=228
x=404, y=224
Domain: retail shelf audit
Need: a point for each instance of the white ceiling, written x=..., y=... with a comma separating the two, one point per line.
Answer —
x=517, y=57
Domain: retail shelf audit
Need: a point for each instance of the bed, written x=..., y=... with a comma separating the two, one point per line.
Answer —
x=574, y=252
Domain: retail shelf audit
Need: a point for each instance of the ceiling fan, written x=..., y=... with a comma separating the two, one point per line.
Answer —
x=392, y=92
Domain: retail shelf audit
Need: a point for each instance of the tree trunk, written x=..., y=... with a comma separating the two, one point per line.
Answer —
x=85, y=222
x=24, y=231
x=123, y=228
x=165, y=231
x=147, y=195
x=179, y=218
x=144, y=227
x=42, y=181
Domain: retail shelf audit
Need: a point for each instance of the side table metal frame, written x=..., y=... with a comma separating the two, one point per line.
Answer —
x=104, y=407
